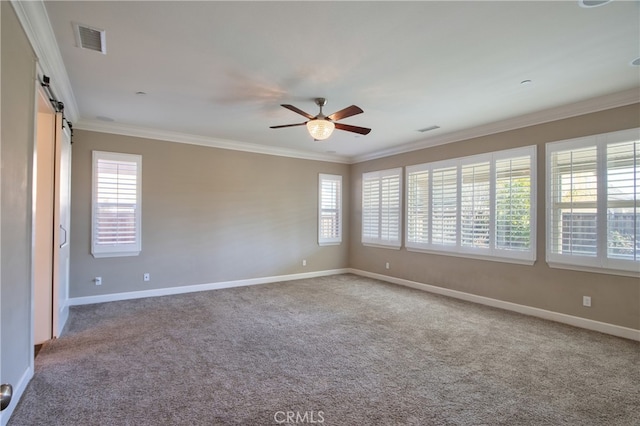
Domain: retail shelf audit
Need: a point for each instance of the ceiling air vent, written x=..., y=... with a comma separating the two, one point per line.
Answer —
x=426, y=129
x=593, y=3
x=90, y=38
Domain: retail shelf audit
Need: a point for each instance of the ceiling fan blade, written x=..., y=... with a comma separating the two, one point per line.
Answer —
x=354, y=129
x=344, y=113
x=288, y=125
x=299, y=111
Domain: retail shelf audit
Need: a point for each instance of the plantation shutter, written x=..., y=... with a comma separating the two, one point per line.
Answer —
x=370, y=206
x=330, y=211
x=623, y=200
x=417, y=207
x=381, y=207
x=116, y=204
x=513, y=204
x=444, y=206
x=475, y=205
x=574, y=195
x=390, y=209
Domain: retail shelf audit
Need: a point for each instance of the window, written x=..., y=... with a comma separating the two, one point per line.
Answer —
x=381, y=208
x=479, y=206
x=330, y=210
x=593, y=202
x=116, y=204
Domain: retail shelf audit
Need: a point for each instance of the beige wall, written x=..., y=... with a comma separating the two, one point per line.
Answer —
x=208, y=215
x=615, y=299
x=16, y=151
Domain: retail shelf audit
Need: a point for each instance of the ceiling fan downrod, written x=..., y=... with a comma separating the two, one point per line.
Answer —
x=321, y=102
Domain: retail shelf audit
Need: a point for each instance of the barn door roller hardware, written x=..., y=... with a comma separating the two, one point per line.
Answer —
x=57, y=105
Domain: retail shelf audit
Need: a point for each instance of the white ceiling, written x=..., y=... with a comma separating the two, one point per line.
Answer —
x=216, y=72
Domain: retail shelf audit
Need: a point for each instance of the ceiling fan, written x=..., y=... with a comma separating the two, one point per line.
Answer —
x=320, y=127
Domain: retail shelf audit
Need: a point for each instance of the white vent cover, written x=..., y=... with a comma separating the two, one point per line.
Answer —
x=90, y=38
x=426, y=129
x=593, y=3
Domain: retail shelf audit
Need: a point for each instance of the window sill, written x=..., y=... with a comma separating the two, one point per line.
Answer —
x=115, y=254
x=329, y=243
x=501, y=259
x=594, y=269
x=382, y=246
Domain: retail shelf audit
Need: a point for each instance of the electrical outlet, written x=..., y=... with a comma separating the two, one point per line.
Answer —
x=98, y=280
x=586, y=301
x=304, y=262
x=146, y=276
x=387, y=265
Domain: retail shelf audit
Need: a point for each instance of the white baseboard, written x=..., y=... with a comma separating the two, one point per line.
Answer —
x=18, y=390
x=74, y=301
x=602, y=327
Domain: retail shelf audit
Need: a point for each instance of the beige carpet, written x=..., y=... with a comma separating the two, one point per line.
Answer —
x=341, y=350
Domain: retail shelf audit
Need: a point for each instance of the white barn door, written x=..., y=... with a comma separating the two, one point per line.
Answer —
x=62, y=221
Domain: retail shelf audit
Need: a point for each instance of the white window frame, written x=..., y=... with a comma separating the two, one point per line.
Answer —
x=492, y=251
x=600, y=263
x=323, y=211
x=117, y=249
x=380, y=240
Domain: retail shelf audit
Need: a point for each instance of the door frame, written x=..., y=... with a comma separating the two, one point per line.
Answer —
x=42, y=227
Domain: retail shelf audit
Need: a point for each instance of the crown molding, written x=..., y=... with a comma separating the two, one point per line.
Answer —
x=613, y=100
x=164, y=135
x=35, y=21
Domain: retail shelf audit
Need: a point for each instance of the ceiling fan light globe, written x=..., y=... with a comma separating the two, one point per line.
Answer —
x=320, y=129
